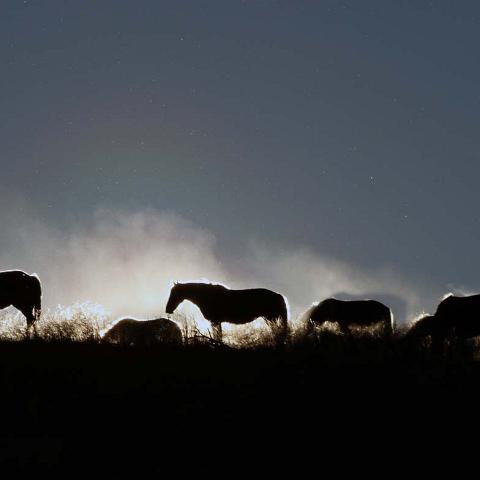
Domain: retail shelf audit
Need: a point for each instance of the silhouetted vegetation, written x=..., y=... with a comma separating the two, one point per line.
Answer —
x=72, y=401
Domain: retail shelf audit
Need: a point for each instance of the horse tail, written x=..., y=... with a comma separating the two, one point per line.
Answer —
x=282, y=317
x=36, y=292
x=389, y=324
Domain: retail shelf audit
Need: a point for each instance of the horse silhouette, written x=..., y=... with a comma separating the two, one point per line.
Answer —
x=24, y=292
x=133, y=332
x=457, y=318
x=423, y=327
x=347, y=313
x=220, y=304
x=397, y=305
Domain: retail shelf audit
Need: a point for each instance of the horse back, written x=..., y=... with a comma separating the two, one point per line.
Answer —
x=459, y=308
x=262, y=300
x=363, y=312
x=164, y=328
x=144, y=332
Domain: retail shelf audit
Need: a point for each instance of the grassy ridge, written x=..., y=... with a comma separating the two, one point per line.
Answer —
x=69, y=401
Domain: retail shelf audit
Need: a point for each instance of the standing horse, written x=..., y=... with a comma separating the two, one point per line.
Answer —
x=130, y=331
x=459, y=315
x=24, y=292
x=345, y=313
x=219, y=304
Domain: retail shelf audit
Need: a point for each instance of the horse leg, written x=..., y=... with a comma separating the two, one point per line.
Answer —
x=343, y=328
x=34, y=327
x=28, y=334
x=388, y=328
x=279, y=327
x=272, y=325
x=437, y=344
x=460, y=344
x=283, y=323
x=30, y=317
x=31, y=326
x=217, y=331
x=309, y=326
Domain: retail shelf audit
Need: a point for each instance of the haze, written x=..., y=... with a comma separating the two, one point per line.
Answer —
x=311, y=147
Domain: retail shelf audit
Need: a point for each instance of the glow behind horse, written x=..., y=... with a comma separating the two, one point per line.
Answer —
x=220, y=304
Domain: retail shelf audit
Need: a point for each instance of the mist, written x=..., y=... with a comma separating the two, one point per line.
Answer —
x=127, y=261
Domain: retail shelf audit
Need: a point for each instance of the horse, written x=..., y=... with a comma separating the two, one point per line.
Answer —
x=460, y=315
x=24, y=292
x=423, y=327
x=220, y=304
x=130, y=331
x=347, y=313
x=457, y=318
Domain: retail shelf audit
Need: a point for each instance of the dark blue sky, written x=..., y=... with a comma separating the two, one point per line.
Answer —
x=348, y=127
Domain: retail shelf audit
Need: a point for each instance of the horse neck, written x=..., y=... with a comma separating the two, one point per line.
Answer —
x=195, y=295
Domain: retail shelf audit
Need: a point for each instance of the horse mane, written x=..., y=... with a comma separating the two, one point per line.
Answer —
x=202, y=280
x=216, y=286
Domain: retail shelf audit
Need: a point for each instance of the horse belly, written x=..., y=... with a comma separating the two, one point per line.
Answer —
x=468, y=329
x=238, y=319
x=367, y=322
x=4, y=303
x=360, y=321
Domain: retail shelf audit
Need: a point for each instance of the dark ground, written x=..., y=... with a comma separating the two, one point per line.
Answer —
x=90, y=408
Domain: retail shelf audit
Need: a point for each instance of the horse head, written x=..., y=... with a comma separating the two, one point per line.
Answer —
x=323, y=312
x=174, y=299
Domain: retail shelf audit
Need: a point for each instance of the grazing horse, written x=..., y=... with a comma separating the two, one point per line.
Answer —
x=455, y=317
x=220, y=304
x=129, y=331
x=24, y=292
x=345, y=313
x=423, y=327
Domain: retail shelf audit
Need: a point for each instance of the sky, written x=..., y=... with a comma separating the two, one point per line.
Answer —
x=332, y=139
